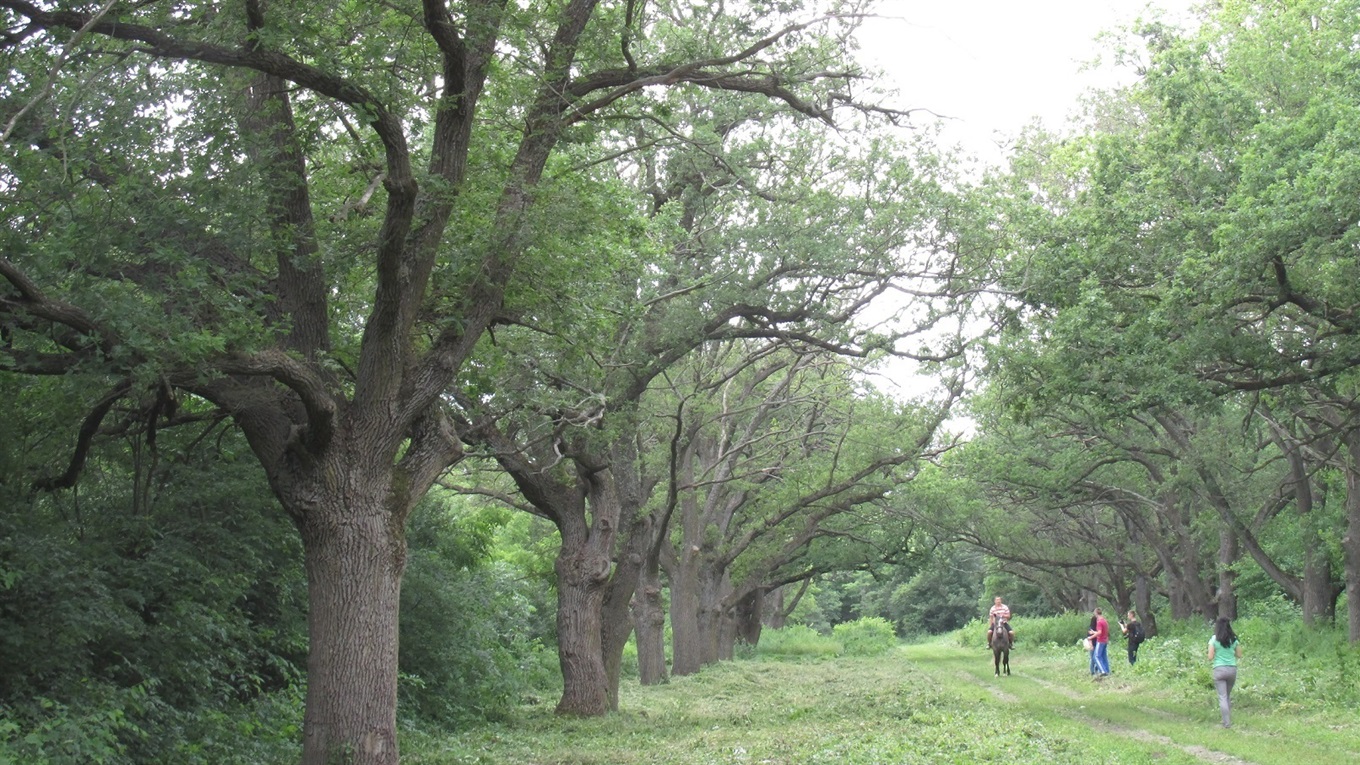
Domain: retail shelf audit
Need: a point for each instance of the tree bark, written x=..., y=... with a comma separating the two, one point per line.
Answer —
x=1142, y=601
x=1228, y=554
x=616, y=618
x=748, y=617
x=354, y=562
x=581, y=578
x=686, y=651
x=1350, y=541
x=583, y=569
x=649, y=620
x=711, y=613
x=777, y=615
x=1315, y=587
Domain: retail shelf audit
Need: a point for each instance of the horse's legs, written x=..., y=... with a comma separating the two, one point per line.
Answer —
x=1007, y=661
x=996, y=661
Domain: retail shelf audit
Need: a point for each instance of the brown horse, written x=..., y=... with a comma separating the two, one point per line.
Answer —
x=1001, y=642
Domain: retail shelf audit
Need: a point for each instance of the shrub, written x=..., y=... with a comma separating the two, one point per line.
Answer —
x=797, y=640
x=867, y=636
x=467, y=648
x=1064, y=631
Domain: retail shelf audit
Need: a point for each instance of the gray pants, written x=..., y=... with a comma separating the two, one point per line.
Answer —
x=1224, y=677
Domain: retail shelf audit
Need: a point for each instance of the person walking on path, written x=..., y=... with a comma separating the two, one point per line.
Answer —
x=1224, y=652
x=1133, y=630
x=1101, y=655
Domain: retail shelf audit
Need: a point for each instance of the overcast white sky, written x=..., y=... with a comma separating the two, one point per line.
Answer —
x=995, y=64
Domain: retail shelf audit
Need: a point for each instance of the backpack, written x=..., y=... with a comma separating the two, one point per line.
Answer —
x=1136, y=634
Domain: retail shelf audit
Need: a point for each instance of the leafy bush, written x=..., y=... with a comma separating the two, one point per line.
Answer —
x=867, y=636
x=797, y=640
x=1284, y=663
x=467, y=647
x=1064, y=631
x=135, y=621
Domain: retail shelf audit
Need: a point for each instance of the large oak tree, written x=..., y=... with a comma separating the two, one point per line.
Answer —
x=308, y=216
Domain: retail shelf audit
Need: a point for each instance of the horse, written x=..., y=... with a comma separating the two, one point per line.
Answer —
x=1001, y=642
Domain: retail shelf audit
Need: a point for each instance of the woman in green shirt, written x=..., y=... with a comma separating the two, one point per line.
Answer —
x=1223, y=655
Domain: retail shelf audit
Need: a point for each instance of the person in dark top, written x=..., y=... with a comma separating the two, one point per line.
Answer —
x=1133, y=631
x=1091, y=652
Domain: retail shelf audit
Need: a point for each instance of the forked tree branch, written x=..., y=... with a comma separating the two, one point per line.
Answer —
x=89, y=428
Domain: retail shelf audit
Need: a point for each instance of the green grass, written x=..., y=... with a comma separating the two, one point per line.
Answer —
x=926, y=703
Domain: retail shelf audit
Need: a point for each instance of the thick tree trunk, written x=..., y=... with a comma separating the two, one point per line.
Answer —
x=581, y=577
x=686, y=651
x=1228, y=554
x=354, y=560
x=727, y=634
x=715, y=621
x=777, y=615
x=1315, y=586
x=748, y=617
x=1350, y=541
x=616, y=619
x=649, y=622
x=1319, y=599
x=1187, y=589
x=1142, y=602
x=583, y=566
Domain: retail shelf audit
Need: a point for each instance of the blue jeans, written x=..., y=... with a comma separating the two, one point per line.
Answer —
x=1101, y=658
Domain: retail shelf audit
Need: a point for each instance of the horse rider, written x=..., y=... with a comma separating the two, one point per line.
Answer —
x=1000, y=614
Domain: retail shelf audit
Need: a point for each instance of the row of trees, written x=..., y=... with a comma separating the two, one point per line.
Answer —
x=624, y=268
x=618, y=251
x=1173, y=388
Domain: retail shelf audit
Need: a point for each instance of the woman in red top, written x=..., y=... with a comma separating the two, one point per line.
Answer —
x=1101, y=636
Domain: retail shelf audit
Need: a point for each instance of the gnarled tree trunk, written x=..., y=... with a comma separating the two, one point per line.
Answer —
x=686, y=636
x=649, y=621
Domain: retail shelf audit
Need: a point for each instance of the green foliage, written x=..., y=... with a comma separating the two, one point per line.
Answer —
x=1062, y=631
x=131, y=632
x=1285, y=664
x=812, y=609
x=468, y=648
x=931, y=592
x=797, y=640
x=866, y=636
x=942, y=596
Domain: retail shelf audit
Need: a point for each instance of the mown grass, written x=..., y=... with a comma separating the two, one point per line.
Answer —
x=926, y=703
x=1179, y=712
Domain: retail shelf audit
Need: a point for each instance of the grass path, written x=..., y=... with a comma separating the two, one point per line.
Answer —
x=1128, y=709
x=920, y=705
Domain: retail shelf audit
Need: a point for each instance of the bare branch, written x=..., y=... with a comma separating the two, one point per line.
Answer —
x=34, y=302
x=88, y=429
x=52, y=73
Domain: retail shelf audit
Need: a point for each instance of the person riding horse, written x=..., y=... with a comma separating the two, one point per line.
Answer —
x=1001, y=641
x=1000, y=614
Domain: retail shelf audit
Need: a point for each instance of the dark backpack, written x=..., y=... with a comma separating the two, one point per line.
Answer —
x=1136, y=633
